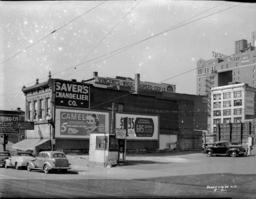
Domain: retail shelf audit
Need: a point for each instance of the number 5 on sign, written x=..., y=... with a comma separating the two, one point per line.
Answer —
x=63, y=127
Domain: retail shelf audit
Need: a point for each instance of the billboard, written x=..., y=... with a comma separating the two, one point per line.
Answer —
x=72, y=94
x=80, y=124
x=130, y=84
x=249, y=103
x=140, y=127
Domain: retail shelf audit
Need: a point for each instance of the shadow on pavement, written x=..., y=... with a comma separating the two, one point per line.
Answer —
x=140, y=162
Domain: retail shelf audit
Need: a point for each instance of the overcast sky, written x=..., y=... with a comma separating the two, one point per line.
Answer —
x=72, y=39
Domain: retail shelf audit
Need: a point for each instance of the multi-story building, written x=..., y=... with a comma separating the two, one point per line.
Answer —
x=59, y=109
x=233, y=103
x=222, y=69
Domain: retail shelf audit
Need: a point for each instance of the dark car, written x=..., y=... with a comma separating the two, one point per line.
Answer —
x=225, y=148
x=49, y=160
x=3, y=156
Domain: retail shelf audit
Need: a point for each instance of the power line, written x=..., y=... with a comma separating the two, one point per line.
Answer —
x=106, y=36
x=53, y=32
x=131, y=45
x=117, y=51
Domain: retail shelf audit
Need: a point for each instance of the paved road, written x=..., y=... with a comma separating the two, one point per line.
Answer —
x=179, y=175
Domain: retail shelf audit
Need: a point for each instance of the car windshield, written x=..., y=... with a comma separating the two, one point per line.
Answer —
x=59, y=155
x=24, y=154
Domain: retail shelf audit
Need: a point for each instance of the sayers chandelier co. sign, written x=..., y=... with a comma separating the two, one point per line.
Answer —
x=72, y=94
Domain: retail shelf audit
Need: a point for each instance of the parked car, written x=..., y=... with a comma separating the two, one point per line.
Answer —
x=3, y=156
x=225, y=148
x=18, y=159
x=49, y=160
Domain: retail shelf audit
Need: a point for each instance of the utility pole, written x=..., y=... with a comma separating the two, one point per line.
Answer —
x=112, y=129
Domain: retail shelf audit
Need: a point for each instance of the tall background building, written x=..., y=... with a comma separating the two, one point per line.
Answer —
x=223, y=69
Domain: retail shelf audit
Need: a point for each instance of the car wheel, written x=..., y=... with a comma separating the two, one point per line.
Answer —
x=16, y=166
x=64, y=170
x=28, y=168
x=209, y=154
x=46, y=169
x=233, y=154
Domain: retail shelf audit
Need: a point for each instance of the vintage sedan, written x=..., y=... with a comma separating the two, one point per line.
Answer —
x=225, y=148
x=3, y=156
x=49, y=160
x=18, y=159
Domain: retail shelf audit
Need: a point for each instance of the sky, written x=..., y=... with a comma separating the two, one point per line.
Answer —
x=161, y=40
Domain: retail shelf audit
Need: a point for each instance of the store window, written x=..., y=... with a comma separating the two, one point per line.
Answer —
x=217, y=113
x=226, y=112
x=216, y=96
x=227, y=103
x=227, y=95
x=237, y=119
x=238, y=111
x=238, y=102
x=217, y=105
x=237, y=94
x=226, y=120
x=216, y=121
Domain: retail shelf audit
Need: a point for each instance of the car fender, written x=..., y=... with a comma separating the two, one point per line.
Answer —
x=8, y=162
x=232, y=150
x=47, y=163
x=32, y=165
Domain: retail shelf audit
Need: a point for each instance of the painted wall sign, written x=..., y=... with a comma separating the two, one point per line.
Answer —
x=72, y=94
x=139, y=126
x=249, y=103
x=147, y=86
x=6, y=123
x=80, y=124
x=221, y=56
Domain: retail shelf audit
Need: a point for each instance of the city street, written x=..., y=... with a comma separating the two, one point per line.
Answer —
x=177, y=175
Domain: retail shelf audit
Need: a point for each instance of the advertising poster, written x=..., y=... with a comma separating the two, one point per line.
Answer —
x=80, y=124
x=140, y=127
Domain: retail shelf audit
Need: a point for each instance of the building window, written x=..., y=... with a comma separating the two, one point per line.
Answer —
x=238, y=102
x=227, y=112
x=217, y=113
x=237, y=119
x=216, y=96
x=238, y=111
x=41, y=109
x=227, y=95
x=234, y=73
x=226, y=120
x=227, y=103
x=237, y=94
x=48, y=102
x=217, y=105
x=216, y=121
x=35, y=109
x=29, y=111
x=221, y=66
x=120, y=107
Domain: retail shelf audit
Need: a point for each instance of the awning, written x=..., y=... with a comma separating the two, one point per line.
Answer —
x=31, y=144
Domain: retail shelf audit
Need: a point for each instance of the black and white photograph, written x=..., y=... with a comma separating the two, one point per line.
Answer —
x=128, y=99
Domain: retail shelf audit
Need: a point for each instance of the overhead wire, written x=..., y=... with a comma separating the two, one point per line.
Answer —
x=117, y=51
x=54, y=31
x=106, y=36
